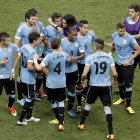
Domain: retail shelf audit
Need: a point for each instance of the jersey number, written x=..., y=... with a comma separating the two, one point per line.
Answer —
x=103, y=67
x=58, y=68
x=23, y=61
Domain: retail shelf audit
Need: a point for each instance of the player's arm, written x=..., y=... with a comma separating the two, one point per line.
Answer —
x=45, y=41
x=17, y=41
x=81, y=56
x=137, y=36
x=110, y=45
x=115, y=74
x=85, y=72
x=137, y=52
x=30, y=66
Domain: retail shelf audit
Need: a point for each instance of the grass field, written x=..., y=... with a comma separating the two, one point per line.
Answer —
x=102, y=16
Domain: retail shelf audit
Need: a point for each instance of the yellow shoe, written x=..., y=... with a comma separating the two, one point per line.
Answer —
x=130, y=110
x=83, y=99
x=66, y=100
x=81, y=127
x=54, y=121
x=110, y=137
x=60, y=127
x=119, y=101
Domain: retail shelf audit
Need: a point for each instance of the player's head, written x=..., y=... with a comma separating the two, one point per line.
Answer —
x=34, y=38
x=84, y=27
x=134, y=10
x=121, y=28
x=5, y=39
x=55, y=43
x=30, y=17
x=57, y=18
x=70, y=20
x=72, y=35
x=36, y=13
x=99, y=44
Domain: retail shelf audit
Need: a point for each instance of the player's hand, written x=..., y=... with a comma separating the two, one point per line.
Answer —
x=126, y=63
x=112, y=81
x=60, y=29
x=84, y=84
x=45, y=70
x=40, y=59
x=36, y=56
x=4, y=62
x=12, y=75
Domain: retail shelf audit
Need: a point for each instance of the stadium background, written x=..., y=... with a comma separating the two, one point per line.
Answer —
x=102, y=16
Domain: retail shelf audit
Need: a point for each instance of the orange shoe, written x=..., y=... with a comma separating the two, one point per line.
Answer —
x=60, y=127
x=110, y=137
x=81, y=127
x=12, y=110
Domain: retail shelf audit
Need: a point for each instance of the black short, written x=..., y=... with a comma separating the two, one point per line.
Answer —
x=104, y=93
x=9, y=86
x=28, y=90
x=125, y=74
x=80, y=72
x=57, y=94
x=137, y=61
x=72, y=78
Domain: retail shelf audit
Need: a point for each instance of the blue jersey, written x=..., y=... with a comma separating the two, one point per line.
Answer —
x=123, y=47
x=7, y=53
x=73, y=49
x=86, y=40
x=55, y=62
x=100, y=63
x=50, y=33
x=40, y=28
x=26, y=55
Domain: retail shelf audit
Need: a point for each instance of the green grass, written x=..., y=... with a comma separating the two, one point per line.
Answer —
x=102, y=16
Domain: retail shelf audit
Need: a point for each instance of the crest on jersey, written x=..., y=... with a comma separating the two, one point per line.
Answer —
x=89, y=36
x=124, y=41
x=76, y=44
x=9, y=50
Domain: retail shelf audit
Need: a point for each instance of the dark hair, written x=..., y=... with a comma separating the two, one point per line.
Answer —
x=30, y=13
x=55, y=15
x=70, y=20
x=120, y=25
x=99, y=43
x=33, y=10
x=33, y=36
x=135, y=6
x=82, y=22
x=55, y=43
x=4, y=35
x=72, y=29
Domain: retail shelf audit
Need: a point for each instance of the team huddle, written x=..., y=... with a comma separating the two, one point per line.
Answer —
x=68, y=65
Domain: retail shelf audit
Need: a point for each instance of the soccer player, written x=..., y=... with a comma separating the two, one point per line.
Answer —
x=56, y=80
x=99, y=65
x=87, y=37
x=51, y=32
x=124, y=44
x=7, y=49
x=21, y=38
x=132, y=24
x=73, y=46
x=27, y=76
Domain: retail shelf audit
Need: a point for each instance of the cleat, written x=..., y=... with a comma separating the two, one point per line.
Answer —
x=44, y=92
x=119, y=101
x=21, y=102
x=81, y=127
x=67, y=100
x=22, y=123
x=130, y=110
x=79, y=109
x=110, y=137
x=71, y=114
x=12, y=110
x=54, y=121
x=39, y=94
x=83, y=99
x=36, y=99
x=32, y=119
x=60, y=127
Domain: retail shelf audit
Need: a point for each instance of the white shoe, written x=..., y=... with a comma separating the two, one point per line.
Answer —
x=32, y=119
x=21, y=123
